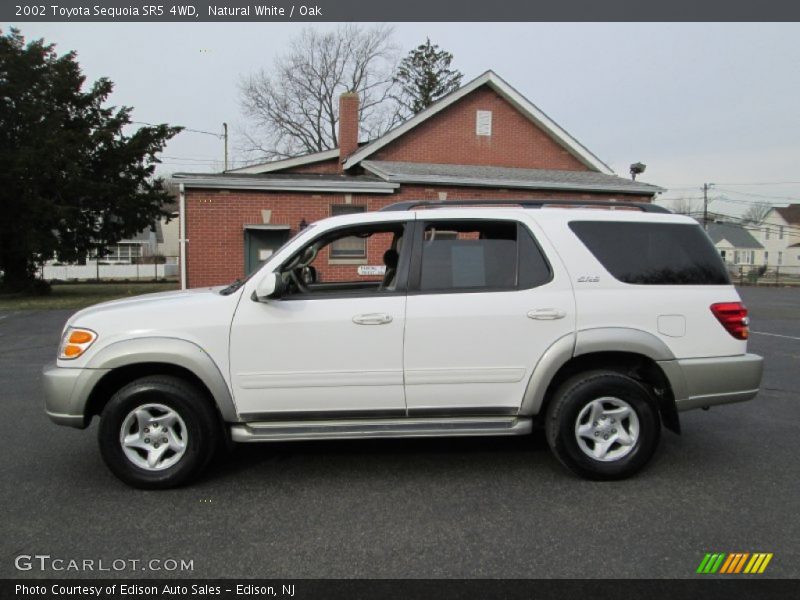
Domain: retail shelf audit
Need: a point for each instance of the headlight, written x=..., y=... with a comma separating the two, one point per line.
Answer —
x=75, y=342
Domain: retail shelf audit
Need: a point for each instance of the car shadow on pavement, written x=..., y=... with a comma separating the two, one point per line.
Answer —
x=361, y=457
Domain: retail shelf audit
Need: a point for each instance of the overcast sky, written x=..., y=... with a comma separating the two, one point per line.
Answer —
x=695, y=102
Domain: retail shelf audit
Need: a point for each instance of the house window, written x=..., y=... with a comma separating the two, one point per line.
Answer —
x=483, y=123
x=780, y=232
x=766, y=257
x=352, y=246
x=766, y=233
x=722, y=254
x=736, y=257
x=780, y=258
x=124, y=253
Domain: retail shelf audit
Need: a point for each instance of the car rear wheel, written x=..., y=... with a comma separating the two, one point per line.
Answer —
x=603, y=425
x=157, y=432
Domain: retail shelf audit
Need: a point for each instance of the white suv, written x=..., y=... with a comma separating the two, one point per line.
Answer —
x=600, y=325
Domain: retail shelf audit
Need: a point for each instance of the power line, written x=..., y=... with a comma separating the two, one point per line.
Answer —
x=685, y=186
x=787, y=198
x=765, y=183
x=216, y=135
x=761, y=227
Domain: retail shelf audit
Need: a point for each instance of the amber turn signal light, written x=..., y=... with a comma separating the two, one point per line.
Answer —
x=75, y=342
x=80, y=337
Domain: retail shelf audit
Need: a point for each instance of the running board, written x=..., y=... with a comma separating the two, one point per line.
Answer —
x=379, y=428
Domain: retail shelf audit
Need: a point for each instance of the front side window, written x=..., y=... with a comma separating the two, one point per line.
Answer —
x=310, y=272
x=480, y=256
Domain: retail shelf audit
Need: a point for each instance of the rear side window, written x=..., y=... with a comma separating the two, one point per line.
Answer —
x=653, y=253
x=480, y=256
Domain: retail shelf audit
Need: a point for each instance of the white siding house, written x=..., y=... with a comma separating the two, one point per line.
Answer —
x=779, y=233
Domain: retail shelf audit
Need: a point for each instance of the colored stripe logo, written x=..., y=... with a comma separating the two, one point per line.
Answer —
x=734, y=563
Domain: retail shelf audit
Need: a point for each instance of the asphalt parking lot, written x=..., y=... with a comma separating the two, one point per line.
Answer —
x=414, y=508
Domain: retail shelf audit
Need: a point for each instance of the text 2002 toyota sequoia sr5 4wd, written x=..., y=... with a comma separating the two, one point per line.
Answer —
x=602, y=325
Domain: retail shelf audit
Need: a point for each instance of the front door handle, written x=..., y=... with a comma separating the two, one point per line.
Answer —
x=546, y=314
x=372, y=319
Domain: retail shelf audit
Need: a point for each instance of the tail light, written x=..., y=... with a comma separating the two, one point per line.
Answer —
x=733, y=316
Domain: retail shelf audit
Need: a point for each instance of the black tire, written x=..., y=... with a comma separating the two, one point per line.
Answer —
x=573, y=396
x=191, y=405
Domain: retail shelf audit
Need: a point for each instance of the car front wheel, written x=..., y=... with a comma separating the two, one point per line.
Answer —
x=157, y=432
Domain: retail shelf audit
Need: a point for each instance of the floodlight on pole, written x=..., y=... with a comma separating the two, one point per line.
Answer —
x=637, y=168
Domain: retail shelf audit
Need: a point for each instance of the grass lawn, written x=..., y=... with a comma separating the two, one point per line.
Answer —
x=79, y=295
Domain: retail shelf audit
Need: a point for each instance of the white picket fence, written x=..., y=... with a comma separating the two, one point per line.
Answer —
x=110, y=272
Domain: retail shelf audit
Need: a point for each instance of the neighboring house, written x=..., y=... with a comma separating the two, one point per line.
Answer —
x=154, y=245
x=736, y=245
x=779, y=233
x=140, y=247
x=483, y=141
x=167, y=231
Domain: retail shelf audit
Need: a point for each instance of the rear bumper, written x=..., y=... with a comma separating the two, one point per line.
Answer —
x=704, y=382
x=66, y=392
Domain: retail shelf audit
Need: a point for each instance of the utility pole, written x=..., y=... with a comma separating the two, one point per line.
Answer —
x=706, y=187
x=225, y=136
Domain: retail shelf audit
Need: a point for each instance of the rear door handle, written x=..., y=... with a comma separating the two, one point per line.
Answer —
x=372, y=319
x=546, y=314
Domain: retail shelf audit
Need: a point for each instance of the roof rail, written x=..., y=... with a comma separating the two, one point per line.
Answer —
x=412, y=204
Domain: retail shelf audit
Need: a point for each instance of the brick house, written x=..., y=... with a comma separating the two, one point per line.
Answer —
x=483, y=141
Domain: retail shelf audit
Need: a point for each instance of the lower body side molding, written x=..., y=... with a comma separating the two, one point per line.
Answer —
x=379, y=428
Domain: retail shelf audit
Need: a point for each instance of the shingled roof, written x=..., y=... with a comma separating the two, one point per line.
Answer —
x=791, y=213
x=484, y=176
x=736, y=235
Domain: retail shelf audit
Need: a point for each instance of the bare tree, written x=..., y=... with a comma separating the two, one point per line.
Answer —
x=685, y=206
x=293, y=108
x=756, y=212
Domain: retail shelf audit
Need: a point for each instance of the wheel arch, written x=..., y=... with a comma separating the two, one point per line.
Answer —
x=632, y=352
x=130, y=359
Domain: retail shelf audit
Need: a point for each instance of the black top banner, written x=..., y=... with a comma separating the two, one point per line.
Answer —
x=19, y=11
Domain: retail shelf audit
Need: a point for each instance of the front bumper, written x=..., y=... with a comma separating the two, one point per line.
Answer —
x=704, y=382
x=66, y=391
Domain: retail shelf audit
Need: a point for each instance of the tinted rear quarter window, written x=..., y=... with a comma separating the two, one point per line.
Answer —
x=653, y=253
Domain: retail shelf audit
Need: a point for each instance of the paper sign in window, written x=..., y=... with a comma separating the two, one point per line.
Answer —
x=469, y=269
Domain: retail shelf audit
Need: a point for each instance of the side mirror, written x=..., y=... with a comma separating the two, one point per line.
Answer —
x=269, y=287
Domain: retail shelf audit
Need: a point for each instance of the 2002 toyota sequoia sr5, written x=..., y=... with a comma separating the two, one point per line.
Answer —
x=601, y=325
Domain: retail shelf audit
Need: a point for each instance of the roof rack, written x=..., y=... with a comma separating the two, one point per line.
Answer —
x=412, y=204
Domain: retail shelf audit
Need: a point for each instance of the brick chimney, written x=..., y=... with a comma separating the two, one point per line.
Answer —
x=348, y=125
